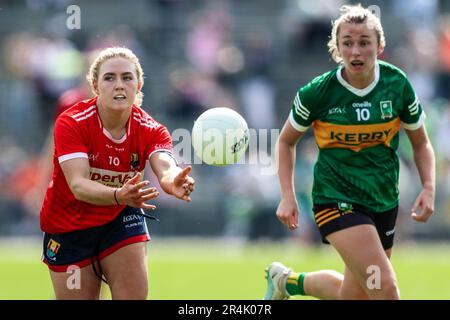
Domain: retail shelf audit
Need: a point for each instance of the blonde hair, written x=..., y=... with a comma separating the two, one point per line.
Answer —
x=354, y=14
x=116, y=52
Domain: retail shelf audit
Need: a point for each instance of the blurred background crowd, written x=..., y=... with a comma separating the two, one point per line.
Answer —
x=249, y=55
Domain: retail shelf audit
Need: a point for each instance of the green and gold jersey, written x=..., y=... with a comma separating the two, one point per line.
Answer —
x=356, y=131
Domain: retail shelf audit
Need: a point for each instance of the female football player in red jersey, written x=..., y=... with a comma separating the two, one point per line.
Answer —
x=92, y=215
x=356, y=111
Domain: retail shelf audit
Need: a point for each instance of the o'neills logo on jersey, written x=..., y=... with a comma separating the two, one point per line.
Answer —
x=355, y=137
x=109, y=178
x=365, y=104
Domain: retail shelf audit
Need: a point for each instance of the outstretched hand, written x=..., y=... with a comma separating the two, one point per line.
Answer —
x=425, y=204
x=183, y=185
x=133, y=194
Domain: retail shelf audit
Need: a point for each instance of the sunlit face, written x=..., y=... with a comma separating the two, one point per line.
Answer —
x=359, y=48
x=117, y=83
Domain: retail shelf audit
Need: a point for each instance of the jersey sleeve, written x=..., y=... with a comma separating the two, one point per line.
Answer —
x=160, y=141
x=68, y=140
x=412, y=115
x=301, y=115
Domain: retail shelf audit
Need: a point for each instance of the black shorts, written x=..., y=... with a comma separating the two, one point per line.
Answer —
x=80, y=248
x=338, y=216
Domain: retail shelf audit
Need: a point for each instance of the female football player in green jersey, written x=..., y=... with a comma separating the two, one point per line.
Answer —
x=356, y=111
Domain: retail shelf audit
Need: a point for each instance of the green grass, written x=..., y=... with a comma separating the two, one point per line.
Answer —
x=210, y=270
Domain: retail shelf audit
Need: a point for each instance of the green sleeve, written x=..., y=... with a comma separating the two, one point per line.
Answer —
x=411, y=114
x=301, y=115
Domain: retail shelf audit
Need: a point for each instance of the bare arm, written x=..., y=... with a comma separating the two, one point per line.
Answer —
x=426, y=165
x=287, y=211
x=131, y=193
x=173, y=179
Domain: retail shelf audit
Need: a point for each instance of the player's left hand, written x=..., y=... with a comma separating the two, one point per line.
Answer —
x=423, y=207
x=183, y=185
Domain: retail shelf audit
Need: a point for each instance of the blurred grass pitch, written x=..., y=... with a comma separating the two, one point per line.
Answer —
x=209, y=269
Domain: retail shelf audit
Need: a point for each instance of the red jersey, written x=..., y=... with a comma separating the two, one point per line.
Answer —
x=79, y=133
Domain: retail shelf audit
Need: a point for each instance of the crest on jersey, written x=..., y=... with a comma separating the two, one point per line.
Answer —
x=386, y=109
x=345, y=207
x=134, y=161
x=52, y=249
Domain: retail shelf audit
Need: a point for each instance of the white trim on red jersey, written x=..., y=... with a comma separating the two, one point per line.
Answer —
x=161, y=150
x=85, y=114
x=145, y=121
x=110, y=137
x=71, y=156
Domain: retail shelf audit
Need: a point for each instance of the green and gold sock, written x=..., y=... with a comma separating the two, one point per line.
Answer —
x=294, y=284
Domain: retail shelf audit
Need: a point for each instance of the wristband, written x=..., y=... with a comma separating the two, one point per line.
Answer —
x=115, y=196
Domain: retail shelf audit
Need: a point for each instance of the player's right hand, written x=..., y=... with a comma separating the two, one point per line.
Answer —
x=133, y=193
x=423, y=207
x=287, y=212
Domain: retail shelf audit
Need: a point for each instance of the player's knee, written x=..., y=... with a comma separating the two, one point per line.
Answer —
x=136, y=293
x=390, y=289
x=352, y=291
x=382, y=285
x=130, y=288
x=140, y=294
x=354, y=294
x=387, y=290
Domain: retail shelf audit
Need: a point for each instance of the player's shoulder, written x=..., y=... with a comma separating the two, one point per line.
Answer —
x=78, y=118
x=322, y=80
x=144, y=119
x=81, y=110
x=389, y=70
x=318, y=88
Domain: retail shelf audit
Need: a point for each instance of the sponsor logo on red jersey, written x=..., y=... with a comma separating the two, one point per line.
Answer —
x=110, y=178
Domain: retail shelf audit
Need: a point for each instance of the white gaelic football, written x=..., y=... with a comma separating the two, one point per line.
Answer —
x=220, y=136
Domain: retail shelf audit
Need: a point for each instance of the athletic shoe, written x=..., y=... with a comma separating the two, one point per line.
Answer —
x=276, y=275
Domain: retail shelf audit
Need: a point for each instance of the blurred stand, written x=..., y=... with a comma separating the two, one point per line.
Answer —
x=251, y=56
